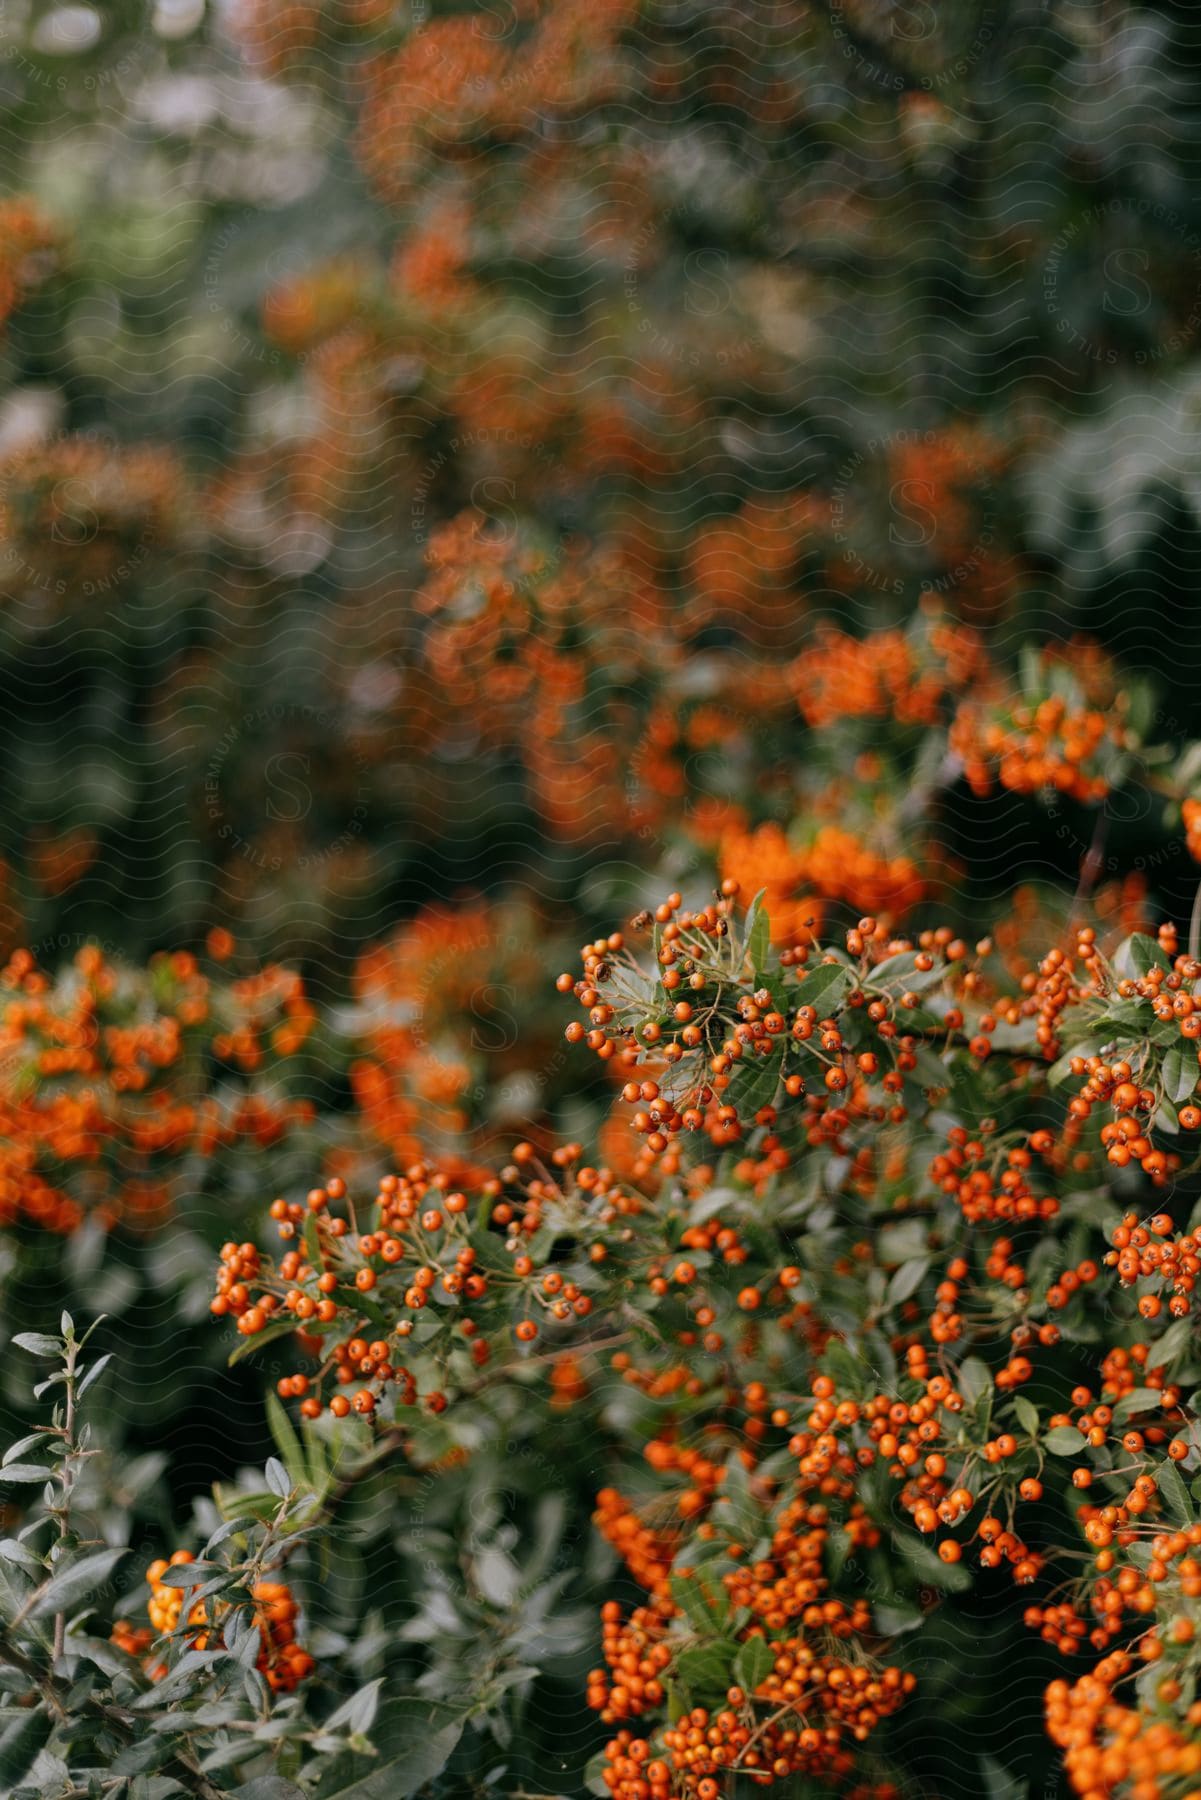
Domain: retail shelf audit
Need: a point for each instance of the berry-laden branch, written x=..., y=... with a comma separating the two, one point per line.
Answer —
x=870, y=1199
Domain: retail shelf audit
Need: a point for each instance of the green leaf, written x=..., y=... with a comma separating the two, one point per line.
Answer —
x=1064, y=1440
x=703, y=1604
x=496, y=1576
x=932, y=1071
x=179, y=1682
x=745, y=1515
x=929, y=1566
x=38, y=1343
x=974, y=1379
x=755, y=1083
x=190, y=1574
x=838, y=1549
x=230, y=1529
x=358, y=1713
x=26, y=1472
x=894, y=1617
x=20, y=1743
x=705, y=1669
x=13, y=1551
x=106, y=1656
x=145, y=1753
x=996, y=1783
x=901, y=974
x=1179, y=1072
x=1135, y=955
x=425, y=1755
x=1138, y=1400
x=1165, y=1116
x=285, y=1328
x=1174, y=1342
x=594, y=1777
x=713, y=1201
x=753, y=1664
x=93, y=1374
x=758, y=935
x=22, y=1445
x=907, y=1280
x=824, y=987
x=1170, y=1483
x=286, y=1442
x=1027, y=1415
x=277, y=1477
x=267, y=1787
x=68, y=1587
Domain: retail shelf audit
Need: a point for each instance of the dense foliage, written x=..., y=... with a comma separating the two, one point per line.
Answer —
x=600, y=900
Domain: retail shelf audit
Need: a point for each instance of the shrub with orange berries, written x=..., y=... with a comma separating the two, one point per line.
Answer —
x=600, y=1015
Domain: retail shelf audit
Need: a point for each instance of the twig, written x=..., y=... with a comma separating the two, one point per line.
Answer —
x=66, y=1476
x=1090, y=867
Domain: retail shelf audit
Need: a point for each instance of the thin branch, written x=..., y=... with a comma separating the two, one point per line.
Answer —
x=66, y=1476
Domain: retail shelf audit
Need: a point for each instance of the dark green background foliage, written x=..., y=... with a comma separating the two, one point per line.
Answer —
x=980, y=212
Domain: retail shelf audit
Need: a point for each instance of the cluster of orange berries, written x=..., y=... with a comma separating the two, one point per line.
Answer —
x=713, y=1025
x=96, y=1089
x=1123, y=1370
x=133, y=497
x=546, y=662
x=1060, y=1624
x=426, y=998
x=985, y=1194
x=786, y=1587
x=1173, y=1260
x=702, y=1747
x=739, y=569
x=799, y=880
x=279, y=38
x=1191, y=816
x=1055, y=986
x=725, y=1740
x=907, y=1434
x=1126, y=1138
x=646, y=1551
x=255, y=1295
x=1069, y=1282
x=416, y=1251
x=636, y=1654
x=815, y=1699
x=359, y=1282
x=1046, y=744
x=282, y=1662
x=817, y=1703
x=886, y=674
x=452, y=87
x=299, y=312
x=28, y=242
x=1110, y=1748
